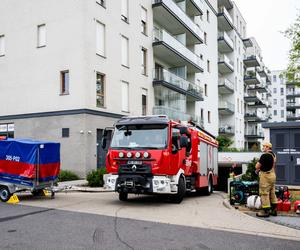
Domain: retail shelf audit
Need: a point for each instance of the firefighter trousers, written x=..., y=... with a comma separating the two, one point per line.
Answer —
x=267, y=188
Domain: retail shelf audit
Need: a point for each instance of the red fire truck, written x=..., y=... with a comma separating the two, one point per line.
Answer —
x=155, y=155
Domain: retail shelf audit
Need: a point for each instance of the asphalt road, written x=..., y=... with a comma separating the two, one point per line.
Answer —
x=25, y=227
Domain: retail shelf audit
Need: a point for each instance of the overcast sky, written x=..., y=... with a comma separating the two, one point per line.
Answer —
x=265, y=19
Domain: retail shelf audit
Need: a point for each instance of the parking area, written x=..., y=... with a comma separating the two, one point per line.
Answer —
x=196, y=211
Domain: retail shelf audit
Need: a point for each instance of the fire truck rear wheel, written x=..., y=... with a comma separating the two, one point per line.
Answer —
x=177, y=198
x=123, y=196
x=210, y=187
x=4, y=194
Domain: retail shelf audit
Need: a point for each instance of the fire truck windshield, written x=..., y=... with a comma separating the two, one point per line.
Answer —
x=142, y=136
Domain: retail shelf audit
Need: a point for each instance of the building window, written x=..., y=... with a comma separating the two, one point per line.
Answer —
x=144, y=21
x=275, y=112
x=238, y=105
x=208, y=117
x=208, y=66
x=101, y=2
x=125, y=51
x=235, y=83
x=207, y=16
x=281, y=80
x=205, y=38
x=100, y=38
x=124, y=10
x=282, y=102
x=281, y=91
x=275, y=101
x=237, y=65
x=64, y=82
x=65, y=132
x=41, y=35
x=274, y=78
x=2, y=45
x=7, y=130
x=205, y=89
x=144, y=61
x=201, y=114
x=100, y=94
x=125, y=96
x=144, y=101
x=282, y=113
x=274, y=90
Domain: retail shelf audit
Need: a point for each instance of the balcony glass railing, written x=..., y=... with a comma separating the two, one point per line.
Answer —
x=225, y=36
x=252, y=74
x=226, y=105
x=255, y=114
x=224, y=58
x=164, y=36
x=226, y=129
x=292, y=92
x=175, y=114
x=255, y=133
x=167, y=76
x=182, y=16
x=292, y=104
x=226, y=13
x=227, y=83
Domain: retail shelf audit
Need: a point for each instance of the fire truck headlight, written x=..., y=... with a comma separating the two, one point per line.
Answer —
x=137, y=155
x=146, y=155
x=156, y=182
x=121, y=154
x=129, y=155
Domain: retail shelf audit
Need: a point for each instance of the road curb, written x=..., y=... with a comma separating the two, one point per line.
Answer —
x=226, y=204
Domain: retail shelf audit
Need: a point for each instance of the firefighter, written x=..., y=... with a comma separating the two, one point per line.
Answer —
x=267, y=178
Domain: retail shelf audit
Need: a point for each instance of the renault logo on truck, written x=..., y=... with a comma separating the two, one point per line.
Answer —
x=133, y=168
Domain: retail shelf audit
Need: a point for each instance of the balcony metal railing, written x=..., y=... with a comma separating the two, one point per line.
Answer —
x=164, y=36
x=292, y=115
x=226, y=37
x=181, y=15
x=224, y=58
x=254, y=133
x=225, y=12
x=175, y=114
x=255, y=114
x=227, y=83
x=227, y=129
x=167, y=76
x=226, y=105
x=292, y=104
x=252, y=74
x=292, y=92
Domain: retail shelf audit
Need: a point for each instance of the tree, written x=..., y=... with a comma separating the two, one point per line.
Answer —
x=224, y=142
x=250, y=174
x=292, y=73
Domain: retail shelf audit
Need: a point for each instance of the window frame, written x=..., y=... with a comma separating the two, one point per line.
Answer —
x=39, y=42
x=103, y=76
x=62, y=83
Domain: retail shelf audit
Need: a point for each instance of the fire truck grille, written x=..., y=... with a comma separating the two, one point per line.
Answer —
x=135, y=169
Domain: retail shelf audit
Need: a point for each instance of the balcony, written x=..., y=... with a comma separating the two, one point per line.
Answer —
x=225, y=65
x=226, y=3
x=247, y=42
x=176, y=115
x=292, y=117
x=168, y=14
x=254, y=134
x=251, y=78
x=292, y=93
x=260, y=88
x=251, y=61
x=195, y=7
x=255, y=117
x=224, y=20
x=225, y=43
x=169, y=80
x=226, y=108
x=226, y=130
x=168, y=49
x=225, y=86
x=292, y=105
x=254, y=99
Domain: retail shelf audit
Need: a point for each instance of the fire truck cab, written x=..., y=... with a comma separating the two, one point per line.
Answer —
x=155, y=155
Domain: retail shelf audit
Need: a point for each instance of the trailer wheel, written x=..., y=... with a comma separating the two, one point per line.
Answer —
x=4, y=194
x=37, y=192
x=123, y=196
x=177, y=198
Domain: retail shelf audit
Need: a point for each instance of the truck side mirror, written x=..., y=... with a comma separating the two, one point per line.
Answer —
x=183, y=141
x=103, y=143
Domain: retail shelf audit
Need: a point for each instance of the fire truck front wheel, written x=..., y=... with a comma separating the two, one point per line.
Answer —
x=178, y=197
x=123, y=196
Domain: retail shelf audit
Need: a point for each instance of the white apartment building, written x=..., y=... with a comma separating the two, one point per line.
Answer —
x=285, y=98
x=257, y=95
x=232, y=30
x=68, y=69
x=280, y=96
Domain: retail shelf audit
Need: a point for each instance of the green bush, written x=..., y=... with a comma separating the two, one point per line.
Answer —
x=224, y=142
x=95, y=177
x=250, y=174
x=67, y=175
